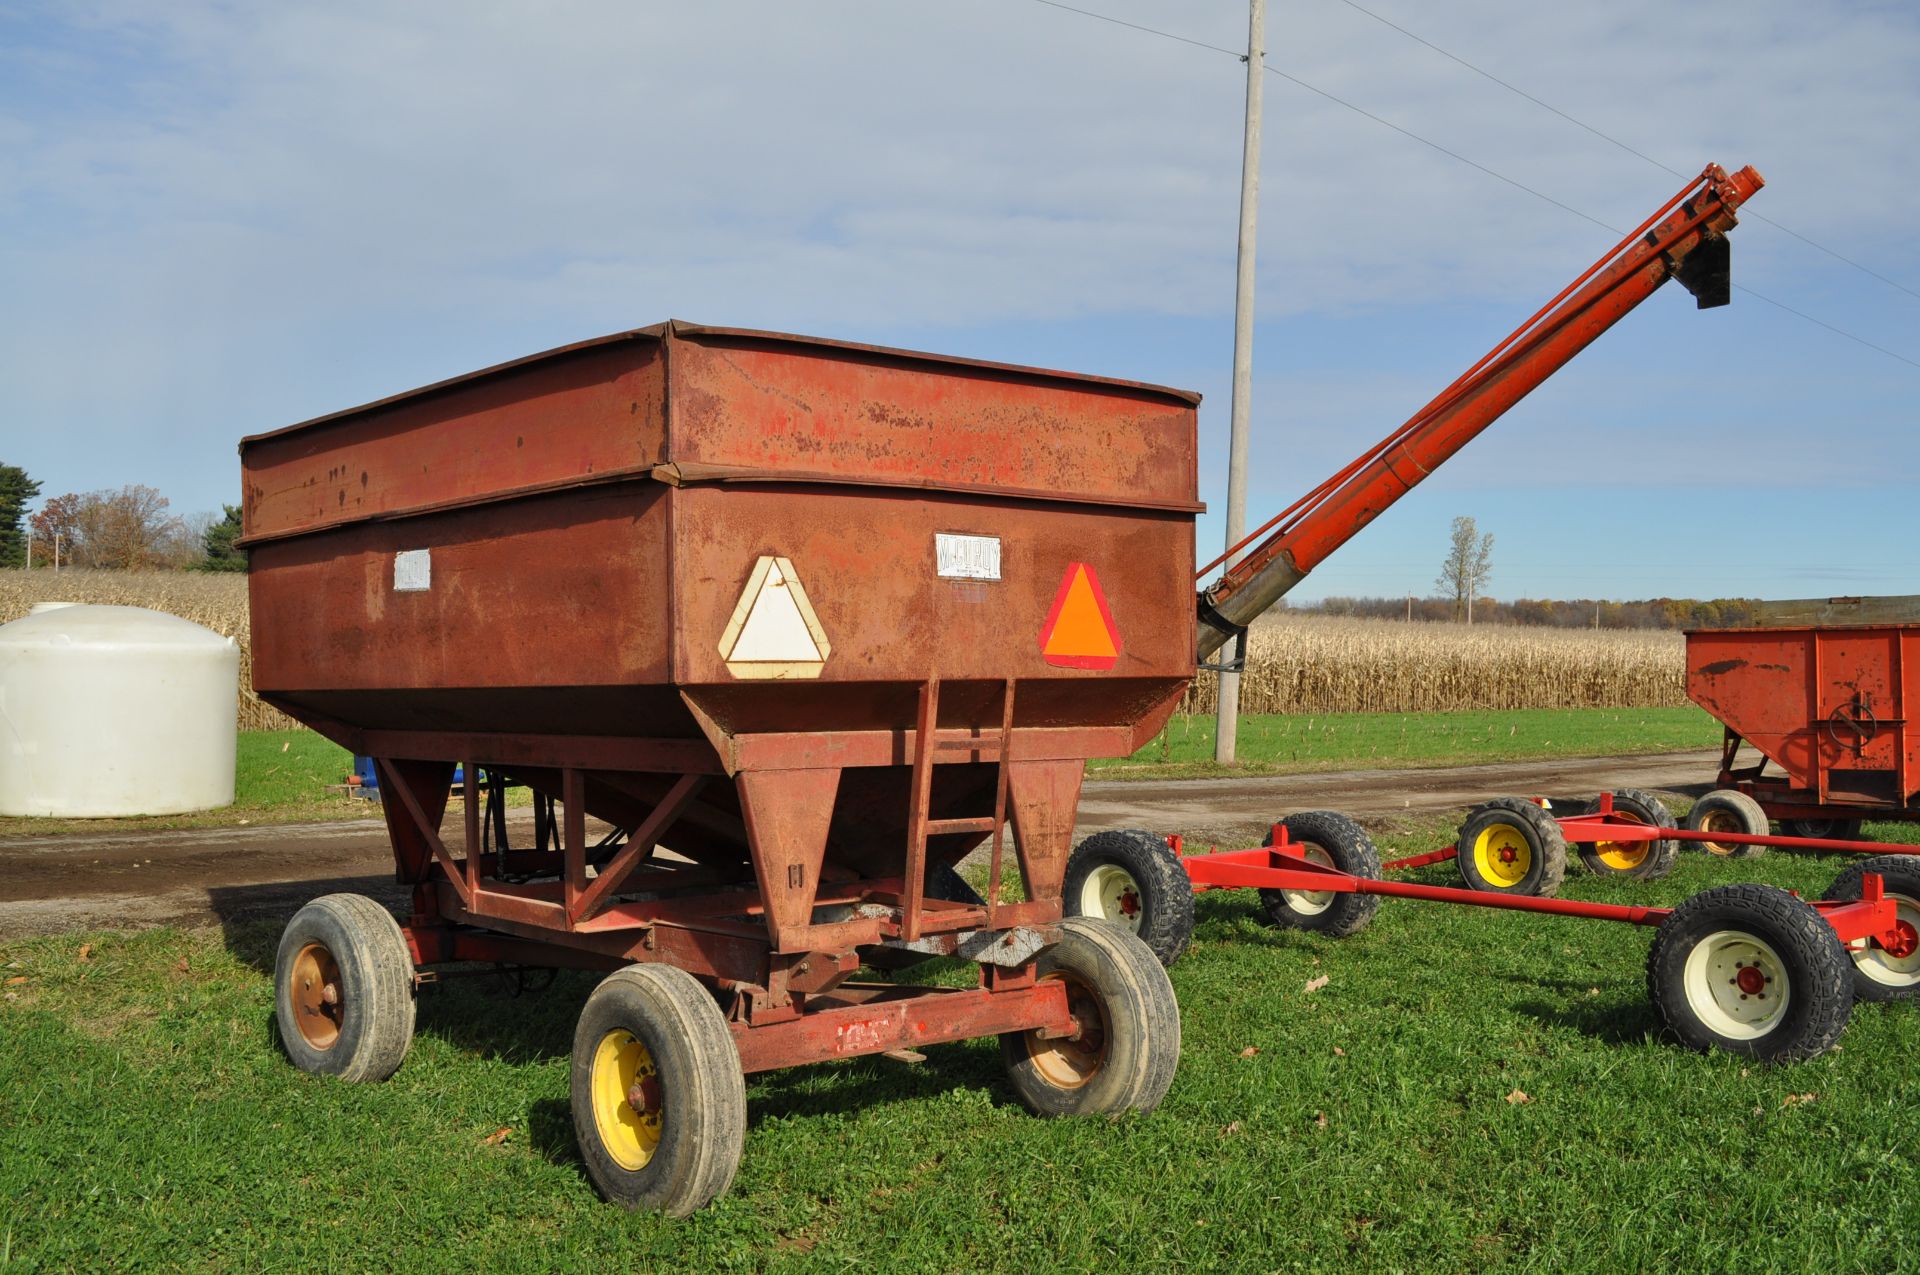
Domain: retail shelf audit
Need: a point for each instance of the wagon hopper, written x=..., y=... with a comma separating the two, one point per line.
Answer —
x=1819, y=690
x=801, y=623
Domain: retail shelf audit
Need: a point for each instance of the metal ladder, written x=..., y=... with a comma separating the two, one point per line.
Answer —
x=926, y=743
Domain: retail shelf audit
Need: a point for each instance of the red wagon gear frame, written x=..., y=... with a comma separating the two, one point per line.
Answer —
x=1717, y=970
x=804, y=622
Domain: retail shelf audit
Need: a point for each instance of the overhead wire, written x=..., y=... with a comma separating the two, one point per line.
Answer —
x=1635, y=152
x=1240, y=56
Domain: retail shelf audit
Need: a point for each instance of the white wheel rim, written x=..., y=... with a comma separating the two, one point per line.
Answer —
x=1736, y=985
x=1111, y=894
x=1882, y=966
x=1311, y=902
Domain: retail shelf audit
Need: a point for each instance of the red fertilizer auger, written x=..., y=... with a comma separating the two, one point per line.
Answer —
x=776, y=630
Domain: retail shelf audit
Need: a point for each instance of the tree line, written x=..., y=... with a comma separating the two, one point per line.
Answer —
x=130, y=528
x=1564, y=613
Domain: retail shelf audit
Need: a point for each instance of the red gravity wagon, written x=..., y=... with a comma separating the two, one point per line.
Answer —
x=798, y=623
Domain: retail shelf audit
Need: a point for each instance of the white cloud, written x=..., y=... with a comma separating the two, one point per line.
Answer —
x=219, y=217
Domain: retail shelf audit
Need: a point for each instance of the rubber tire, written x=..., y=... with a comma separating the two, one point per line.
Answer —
x=1165, y=923
x=1536, y=827
x=1142, y=1026
x=1731, y=804
x=704, y=1123
x=1352, y=851
x=376, y=974
x=1901, y=875
x=1822, y=829
x=1816, y=964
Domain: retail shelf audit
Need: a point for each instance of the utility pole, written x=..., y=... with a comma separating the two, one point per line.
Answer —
x=1470, y=594
x=1226, y=727
x=29, y=544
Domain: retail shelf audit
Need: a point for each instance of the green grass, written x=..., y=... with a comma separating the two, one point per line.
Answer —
x=1273, y=743
x=280, y=776
x=147, y=1120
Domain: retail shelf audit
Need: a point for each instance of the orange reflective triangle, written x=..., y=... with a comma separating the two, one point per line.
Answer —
x=1079, y=632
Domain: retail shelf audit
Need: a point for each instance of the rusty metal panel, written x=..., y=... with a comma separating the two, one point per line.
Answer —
x=585, y=414
x=773, y=406
x=563, y=590
x=869, y=563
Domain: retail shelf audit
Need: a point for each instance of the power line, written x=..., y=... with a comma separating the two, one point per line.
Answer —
x=1499, y=176
x=1614, y=141
x=1481, y=71
x=1517, y=185
x=1135, y=26
x=1828, y=326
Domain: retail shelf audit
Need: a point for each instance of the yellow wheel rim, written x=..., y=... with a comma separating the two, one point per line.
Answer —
x=627, y=1099
x=1502, y=856
x=1622, y=856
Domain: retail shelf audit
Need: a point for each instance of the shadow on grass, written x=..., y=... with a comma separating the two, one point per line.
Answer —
x=841, y=1088
x=252, y=916
x=1610, y=1022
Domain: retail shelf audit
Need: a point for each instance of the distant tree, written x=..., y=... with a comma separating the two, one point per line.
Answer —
x=16, y=489
x=127, y=529
x=1468, y=567
x=56, y=530
x=1534, y=611
x=218, y=540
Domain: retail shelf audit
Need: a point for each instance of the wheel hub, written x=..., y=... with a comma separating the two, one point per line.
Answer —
x=1311, y=902
x=1736, y=983
x=1112, y=894
x=644, y=1095
x=1502, y=855
x=1721, y=821
x=1905, y=943
x=318, y=1002
x=628, y=1098
x=1072, y=1060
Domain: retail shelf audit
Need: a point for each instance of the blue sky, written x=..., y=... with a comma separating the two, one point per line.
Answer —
x=216, y=219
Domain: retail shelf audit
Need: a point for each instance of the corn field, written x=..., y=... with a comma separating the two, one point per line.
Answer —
x=1295, y=663
x=1321, y=664
x=218, y=601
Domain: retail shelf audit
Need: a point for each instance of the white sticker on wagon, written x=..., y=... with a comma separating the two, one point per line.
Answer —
x=413, y=570
x=964, y=557
x=774, y=631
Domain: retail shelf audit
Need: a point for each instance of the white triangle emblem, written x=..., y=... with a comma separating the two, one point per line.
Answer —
x=774, y=631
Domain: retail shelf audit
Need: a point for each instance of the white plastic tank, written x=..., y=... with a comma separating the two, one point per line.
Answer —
x=115, y=711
